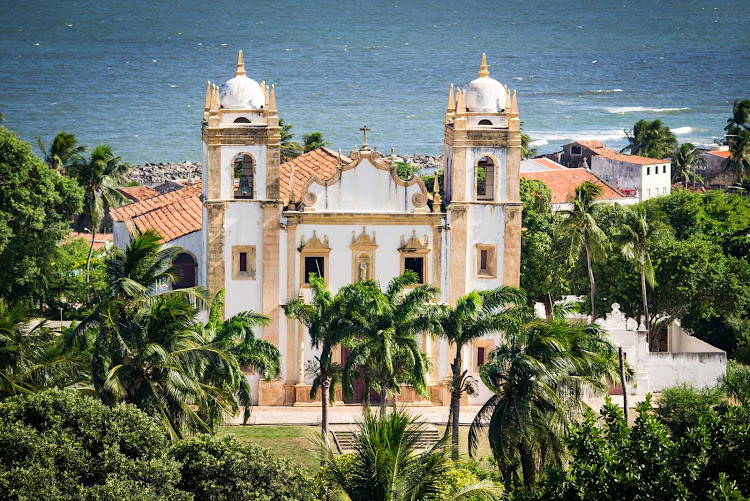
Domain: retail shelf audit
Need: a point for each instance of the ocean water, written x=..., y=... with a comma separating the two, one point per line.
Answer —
x=133, y=74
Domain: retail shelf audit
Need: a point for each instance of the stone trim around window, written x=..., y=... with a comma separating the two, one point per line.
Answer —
x=249, y=261
x=485, y=266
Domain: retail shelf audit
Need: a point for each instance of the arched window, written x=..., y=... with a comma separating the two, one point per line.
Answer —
x=485, y=179
x=187, y=270
x=244, y=173
x=241, y=120
x=484, y=121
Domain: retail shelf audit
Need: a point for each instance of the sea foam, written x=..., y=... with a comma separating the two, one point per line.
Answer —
x=634, y=109
x=682, y=130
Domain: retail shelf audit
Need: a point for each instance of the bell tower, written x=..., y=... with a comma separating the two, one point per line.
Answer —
x=241, y=153
x=482, y=160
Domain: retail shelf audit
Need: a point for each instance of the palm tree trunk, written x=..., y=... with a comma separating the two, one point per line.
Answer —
x=325, y=385
x=456, y=401
x=383, y=396
x=528, y=470
x=549, y=312
x=91, y=252
x=624, y=388
x=591, y=277
x=645, y=302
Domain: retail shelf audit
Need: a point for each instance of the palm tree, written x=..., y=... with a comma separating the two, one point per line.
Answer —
x=740, y=117
x=150, y=351
x=313, y=141
x=388, y=324
x=31, y=358
x=739, y=155
x=329, y=326
x=63, y=151
x=636, y=233
x=527, y=151
x=99, y=176
x=476, y=315
x=650, y=139
x=385, y=467
x=580, y=227
x=537, y=375
x=289, y=148
x=685, y=160
x=236, y=336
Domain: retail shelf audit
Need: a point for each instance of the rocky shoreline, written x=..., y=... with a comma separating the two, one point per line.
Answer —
x=156, y=173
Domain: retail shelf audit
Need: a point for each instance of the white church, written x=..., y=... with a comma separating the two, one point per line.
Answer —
x=258, y=228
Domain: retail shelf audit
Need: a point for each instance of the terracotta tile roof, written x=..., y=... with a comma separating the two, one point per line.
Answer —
x=548, y=164
x=173, y=214
x=101, y=240
x=563, y=182
x=138, y=193
x=136, y=209
x=321, y=161
x=722, y=154
x=601, y=150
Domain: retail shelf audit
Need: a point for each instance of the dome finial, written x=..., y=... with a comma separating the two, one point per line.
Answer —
x=484, y=69
x=240, y=65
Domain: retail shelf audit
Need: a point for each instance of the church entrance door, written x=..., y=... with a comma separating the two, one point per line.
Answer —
x=358, y=384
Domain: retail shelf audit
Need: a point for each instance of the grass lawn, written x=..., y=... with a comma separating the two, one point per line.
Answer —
x=297, y=442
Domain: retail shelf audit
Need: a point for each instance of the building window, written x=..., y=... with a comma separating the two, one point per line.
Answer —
x=243, y=262
x=314, y=258
x=415, y=264
x=663, y=169
x=484, y=121
x=414, y=256
x=187, y=271
x=576, y=150
x=244, y=175
x=664, y=191
x=241, y=120
x=485, y=179
x=648, y=192
x=648, y=171
x=480, y=356
x=486, y=261
x=315, y=265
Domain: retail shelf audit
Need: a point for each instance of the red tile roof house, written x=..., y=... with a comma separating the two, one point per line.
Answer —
x=562, y=182
x=646, y=177
x=714, y=174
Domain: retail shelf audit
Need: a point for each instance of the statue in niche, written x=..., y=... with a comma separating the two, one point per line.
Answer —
x=363, y=270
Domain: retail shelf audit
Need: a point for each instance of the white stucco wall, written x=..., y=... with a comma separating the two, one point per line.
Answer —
x=244, y=226
x=629, y=176
x=365, y=188
x=486, y=226
x=655, y=181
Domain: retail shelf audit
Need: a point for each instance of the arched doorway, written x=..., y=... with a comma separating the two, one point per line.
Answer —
x=187, y=270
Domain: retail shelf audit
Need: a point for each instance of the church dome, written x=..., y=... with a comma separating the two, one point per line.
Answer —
x=485, y=94
x=241, y=92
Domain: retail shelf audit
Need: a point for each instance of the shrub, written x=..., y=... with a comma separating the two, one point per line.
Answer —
x=224, y=469
x=736, y=382
x=682, y=406
x=60, y=445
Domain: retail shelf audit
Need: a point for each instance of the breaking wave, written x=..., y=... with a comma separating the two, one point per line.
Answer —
x=682, y=130
x=604, y=91
x=632, y=109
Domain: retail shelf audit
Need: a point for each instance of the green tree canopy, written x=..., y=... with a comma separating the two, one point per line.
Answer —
x=36, y=205
x=650, y=139
x=313, y=141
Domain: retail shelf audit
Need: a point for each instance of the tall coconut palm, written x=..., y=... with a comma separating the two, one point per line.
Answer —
x=236, y=336
x=476, y=315
x=63, y=151
x=636, y=233
x=685, y=160
x=31, y=359
x=289, y=148
x=739, y=155
x=650, y=139
x=527, y=151
x=329, y=325
x=740, y=118
x=579, y=225
x=385, y=467
x=389, y=323
x=99, y=175
x=537, y=375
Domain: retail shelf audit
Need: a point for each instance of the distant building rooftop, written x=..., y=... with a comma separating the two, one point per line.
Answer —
x=601, y=150
x=563, y=182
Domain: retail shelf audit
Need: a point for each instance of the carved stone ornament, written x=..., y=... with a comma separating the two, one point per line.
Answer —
x=414, y=245
x=314, y=243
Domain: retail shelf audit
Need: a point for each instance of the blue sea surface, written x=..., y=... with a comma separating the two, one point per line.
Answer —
x=133, y=74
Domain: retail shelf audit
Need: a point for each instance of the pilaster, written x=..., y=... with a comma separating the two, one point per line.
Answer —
x=215, y=230
x=512, y=250
x=271, y=269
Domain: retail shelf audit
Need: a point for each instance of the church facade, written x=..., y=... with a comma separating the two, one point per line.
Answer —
x=267, y=226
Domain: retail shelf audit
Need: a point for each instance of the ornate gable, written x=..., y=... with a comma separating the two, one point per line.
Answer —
x=366, y=184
